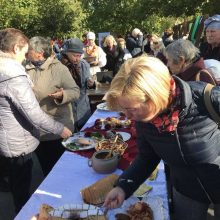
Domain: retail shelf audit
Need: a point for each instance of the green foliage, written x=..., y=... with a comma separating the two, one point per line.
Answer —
x=62, y=18
x=71, y=18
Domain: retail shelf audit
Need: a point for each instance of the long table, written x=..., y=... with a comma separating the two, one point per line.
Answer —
x=72, y=173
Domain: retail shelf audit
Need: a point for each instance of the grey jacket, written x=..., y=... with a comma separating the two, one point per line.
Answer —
x=20, y=113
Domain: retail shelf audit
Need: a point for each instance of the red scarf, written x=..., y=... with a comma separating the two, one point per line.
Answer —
x=168, y=121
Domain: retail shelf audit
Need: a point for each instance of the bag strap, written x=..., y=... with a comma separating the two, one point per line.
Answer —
x=214, y=82
x=207, y=99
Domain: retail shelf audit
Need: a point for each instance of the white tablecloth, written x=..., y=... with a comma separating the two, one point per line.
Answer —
x=71, y=174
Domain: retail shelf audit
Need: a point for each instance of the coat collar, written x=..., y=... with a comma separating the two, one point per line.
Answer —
x=49, y=61
x=186, y=95
x=190, y=72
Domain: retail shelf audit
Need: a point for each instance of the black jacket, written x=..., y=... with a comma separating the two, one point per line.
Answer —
x=134, y=45
x=196, y=140
x=114, y=59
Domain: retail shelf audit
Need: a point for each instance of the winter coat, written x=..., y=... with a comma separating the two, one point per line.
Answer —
x=135, y=45
x=191, y=151
x=207, y=52
x=114, y=58
x=190, y=73
x=20, y=113
x=48, y=78
x=81, y=107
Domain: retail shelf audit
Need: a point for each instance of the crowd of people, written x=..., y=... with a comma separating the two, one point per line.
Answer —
x=43, y=99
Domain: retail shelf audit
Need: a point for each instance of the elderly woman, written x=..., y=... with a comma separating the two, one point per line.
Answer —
x=80, y=71
x=184, y=60
x=114, y=54
x=134, y=42
x=94, y=55
x=173, y=125
x=54, y=89
x=211, y=48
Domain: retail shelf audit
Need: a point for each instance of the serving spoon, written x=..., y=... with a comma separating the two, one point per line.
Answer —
x=109, y=155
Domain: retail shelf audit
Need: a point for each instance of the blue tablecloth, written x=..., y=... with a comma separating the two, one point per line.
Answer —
x=71, y=174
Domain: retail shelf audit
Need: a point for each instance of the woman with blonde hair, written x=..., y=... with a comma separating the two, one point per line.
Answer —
x=114, y=54
x=173, y=125
x=157, y=48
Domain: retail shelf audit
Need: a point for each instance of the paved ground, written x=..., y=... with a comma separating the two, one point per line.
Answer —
x=6, y=205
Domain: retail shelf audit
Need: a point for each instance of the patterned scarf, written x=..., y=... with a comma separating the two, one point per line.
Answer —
x=73, y=68
x=91, y=51
x=168, y=120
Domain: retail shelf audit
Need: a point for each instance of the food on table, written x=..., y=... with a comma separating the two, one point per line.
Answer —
x=70, y=212
x=94, y=135
x=112, y=123
x=79, y=143
x=122, y=216
x=119, y=146
x=140, y=211
x=96, y=193
x=83, y=141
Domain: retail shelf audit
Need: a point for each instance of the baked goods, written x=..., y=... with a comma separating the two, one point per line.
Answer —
x=96, y=193
x=140, y=211
x=118, y=147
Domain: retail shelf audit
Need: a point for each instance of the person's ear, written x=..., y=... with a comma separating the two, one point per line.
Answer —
x=16, y=49
x=182, y=60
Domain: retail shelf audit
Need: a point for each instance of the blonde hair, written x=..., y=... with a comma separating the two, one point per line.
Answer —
x=143, y=78
x=109, y=38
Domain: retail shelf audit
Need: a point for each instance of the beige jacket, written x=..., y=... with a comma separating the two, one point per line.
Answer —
x=48, y=78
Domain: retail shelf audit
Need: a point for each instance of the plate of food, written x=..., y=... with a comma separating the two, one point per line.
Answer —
x=102, y=106
x=79, y=142
x=148, y=208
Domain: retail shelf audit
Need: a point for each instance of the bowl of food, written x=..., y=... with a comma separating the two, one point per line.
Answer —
x=104, y=161
x=118, y=147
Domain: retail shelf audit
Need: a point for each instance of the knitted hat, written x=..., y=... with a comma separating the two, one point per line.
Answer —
x=90, y=36
x=212, y=22
x=74, y=45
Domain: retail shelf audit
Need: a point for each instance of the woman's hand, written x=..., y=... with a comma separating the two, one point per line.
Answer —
x=66, y=133
x=90, y=82
x=57, y=95
x=114, y=198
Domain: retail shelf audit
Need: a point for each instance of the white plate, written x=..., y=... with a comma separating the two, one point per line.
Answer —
x=155, y=203
x=78, y=148
x=125, y=135
x=102, y=106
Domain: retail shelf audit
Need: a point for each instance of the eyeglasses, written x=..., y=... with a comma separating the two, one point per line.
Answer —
x=155, y=43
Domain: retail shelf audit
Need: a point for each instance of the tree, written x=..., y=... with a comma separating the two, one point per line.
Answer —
x=60, y=18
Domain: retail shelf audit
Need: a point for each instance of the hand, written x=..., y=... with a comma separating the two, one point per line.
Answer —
x=57, y=95
x=114, y=198
x=95, y=63
x=90, y=82
x=140, y=33
x=66, y=133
